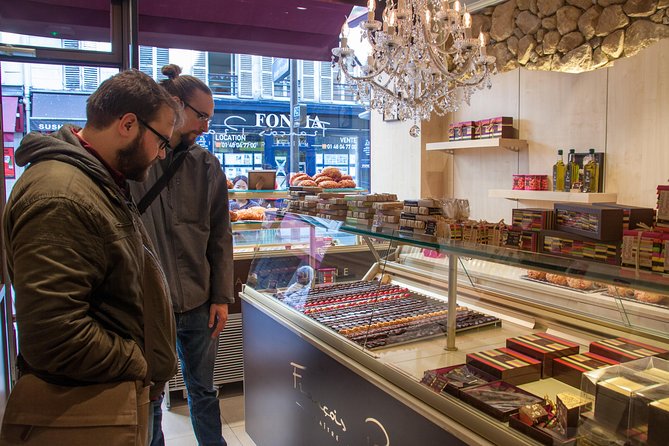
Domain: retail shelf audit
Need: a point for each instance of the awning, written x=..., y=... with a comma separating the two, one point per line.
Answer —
x=297, y=29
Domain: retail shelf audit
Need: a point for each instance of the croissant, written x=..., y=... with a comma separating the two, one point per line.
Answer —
x=332, y=172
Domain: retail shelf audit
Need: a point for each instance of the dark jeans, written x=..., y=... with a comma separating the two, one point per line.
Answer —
x=197, y=352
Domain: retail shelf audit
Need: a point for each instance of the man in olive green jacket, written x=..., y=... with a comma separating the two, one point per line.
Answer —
x=82, y=266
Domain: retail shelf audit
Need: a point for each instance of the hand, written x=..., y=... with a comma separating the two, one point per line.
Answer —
x=218, y=313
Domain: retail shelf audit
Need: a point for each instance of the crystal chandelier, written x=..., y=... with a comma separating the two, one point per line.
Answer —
x=423, y=59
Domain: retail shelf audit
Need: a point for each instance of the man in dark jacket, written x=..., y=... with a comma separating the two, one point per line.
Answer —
x=82, y=266
x=189, y=224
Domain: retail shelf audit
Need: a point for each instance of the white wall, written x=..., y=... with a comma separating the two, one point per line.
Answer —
x=622, y=111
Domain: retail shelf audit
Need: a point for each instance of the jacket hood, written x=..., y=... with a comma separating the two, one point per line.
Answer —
x=63, y=146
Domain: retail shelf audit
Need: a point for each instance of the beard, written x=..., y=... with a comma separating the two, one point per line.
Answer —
x=132, y=162
x=188, y=139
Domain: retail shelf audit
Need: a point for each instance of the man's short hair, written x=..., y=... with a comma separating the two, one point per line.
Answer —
x=127, y=92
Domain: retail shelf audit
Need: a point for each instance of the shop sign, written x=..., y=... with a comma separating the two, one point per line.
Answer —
x=52, y=125
x=347, y=143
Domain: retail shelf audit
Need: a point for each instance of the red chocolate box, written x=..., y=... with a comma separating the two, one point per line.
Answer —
x=569, y=369
x=624, y=350
x=543, y=347
x=506, y=364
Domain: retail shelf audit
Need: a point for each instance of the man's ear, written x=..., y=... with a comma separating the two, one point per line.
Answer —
x=126, y=124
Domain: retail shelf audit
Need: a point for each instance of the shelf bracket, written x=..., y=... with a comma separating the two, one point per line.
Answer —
x=512, y=148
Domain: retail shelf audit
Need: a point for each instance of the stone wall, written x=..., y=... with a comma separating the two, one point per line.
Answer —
x=571, y=36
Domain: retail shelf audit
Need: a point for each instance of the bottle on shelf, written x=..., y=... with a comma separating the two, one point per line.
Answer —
x=559, y=173
x=571, y=176
x=591, y=172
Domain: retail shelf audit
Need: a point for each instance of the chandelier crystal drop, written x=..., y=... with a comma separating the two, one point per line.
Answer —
x=423, y=59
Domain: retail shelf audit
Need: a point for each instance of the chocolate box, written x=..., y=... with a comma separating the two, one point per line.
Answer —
x=632, y=215
x=467, y=130
x=533, y=219
x=506, y=364
x=499, y=399
x=570, y=369
x=613, y=399
x=640, y=407
x=575, y=246
x=484, y=128
x=501, y=127
x=453, y=379
x=645, y=249
x=596, y=222
x=568, y=408
x=543, y=347
x=658, y=422
x=525, y=240
x=623, y=350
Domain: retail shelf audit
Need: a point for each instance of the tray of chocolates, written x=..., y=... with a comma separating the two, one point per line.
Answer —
x=499, y=399
x=506, y=364
x=623, y=350
x=658, y=422
x=544, y=347
x=570, y=369
x=453, y=379
x=375, y=315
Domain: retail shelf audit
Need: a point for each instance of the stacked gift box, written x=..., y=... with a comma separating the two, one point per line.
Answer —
x=596, y=222
x=361, y=209
x=387, y=215
x=302, y=200
x=663, y=206
x=526, y=225
x=646, y=249
x=332, y=206
x=499, y=127
x=572, y=245
x=422, y=217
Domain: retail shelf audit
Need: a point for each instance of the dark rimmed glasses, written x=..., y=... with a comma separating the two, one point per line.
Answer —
x=200, y=116
x=164, y=142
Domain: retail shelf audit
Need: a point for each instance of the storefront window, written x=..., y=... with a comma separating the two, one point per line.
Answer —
x=250, y=129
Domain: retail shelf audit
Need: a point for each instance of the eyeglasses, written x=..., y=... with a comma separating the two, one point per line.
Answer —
x=201, y=116
x=164, y=142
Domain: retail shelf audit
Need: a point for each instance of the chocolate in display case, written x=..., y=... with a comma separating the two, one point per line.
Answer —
x=622, y=349
x=375, y=315
x=499, y=399
x=393, y=325
x=454, y=379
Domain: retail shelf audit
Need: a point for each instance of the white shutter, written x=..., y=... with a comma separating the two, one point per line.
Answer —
x=71, y=73
x=72, y=77
x=308, y=80
x=146, y=60
x=267, y=79
x=162, y=59
x=91, y=78
x=200, y=66
x=245, y=76
x=326, y=81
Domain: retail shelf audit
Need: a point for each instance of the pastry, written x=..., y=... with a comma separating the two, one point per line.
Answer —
x=311, y=183
x=647, y=296
x=619, y=291
x=233, y=216
x=579, y=284
x=557, y=279
x=538, y=275
x=328, y=184
x=346, y=183
x=322, y=178
x=332, y=172
x=230, y=185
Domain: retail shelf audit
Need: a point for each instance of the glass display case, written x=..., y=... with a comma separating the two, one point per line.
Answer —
x=476, y=339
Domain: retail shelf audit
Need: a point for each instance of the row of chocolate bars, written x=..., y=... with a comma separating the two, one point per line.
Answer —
x=628, y=401
x=499, y=127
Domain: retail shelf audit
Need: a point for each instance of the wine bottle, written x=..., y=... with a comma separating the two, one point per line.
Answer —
x=559, y=173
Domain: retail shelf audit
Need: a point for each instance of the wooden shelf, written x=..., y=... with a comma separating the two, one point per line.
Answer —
x=545, y=195
x=488, y=143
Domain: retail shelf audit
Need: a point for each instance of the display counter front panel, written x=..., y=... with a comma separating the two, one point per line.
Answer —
x=296, y=395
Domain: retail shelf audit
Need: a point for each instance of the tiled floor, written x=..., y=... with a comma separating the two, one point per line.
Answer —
x=179, y=431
